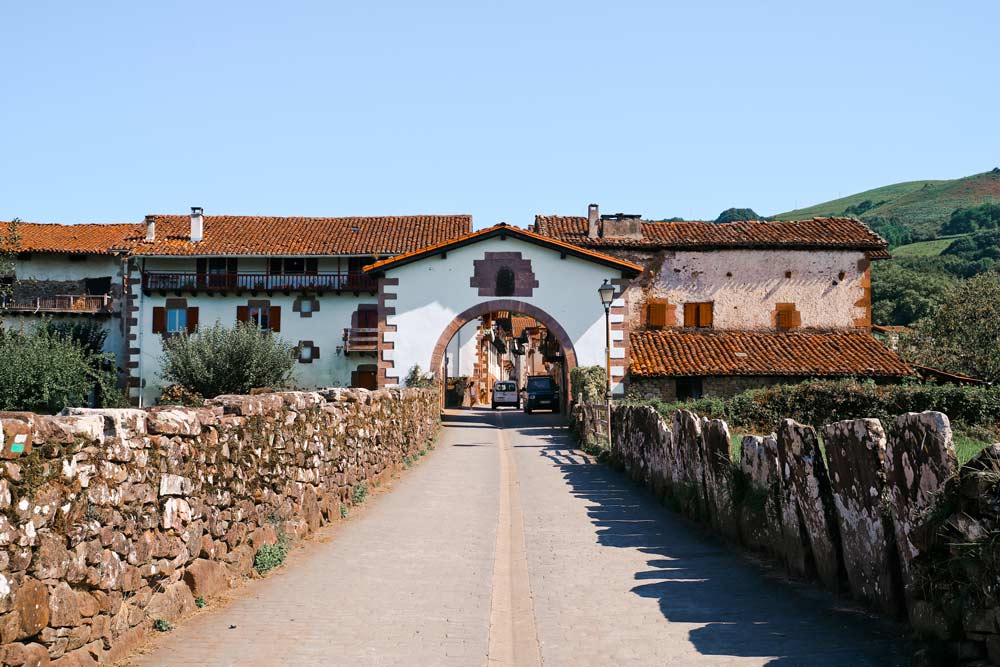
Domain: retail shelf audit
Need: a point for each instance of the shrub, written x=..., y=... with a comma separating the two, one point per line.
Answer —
x=417, y=378
x=221, y=360
x=269, y=556
x=819, y=402
x=591, y=381
x=44, y=371
x=178, y=395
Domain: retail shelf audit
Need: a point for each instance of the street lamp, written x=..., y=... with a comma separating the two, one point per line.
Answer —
x=607, y=294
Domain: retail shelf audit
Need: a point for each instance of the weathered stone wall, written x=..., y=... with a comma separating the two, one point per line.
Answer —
x=112, y=519
x=860, y=526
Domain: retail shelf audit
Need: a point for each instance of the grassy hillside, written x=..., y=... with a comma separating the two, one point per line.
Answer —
x=926, y=248
x=919, y=206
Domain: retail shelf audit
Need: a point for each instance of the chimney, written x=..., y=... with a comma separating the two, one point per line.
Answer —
x=593, y=221
x=197, y=224
x=150, y=228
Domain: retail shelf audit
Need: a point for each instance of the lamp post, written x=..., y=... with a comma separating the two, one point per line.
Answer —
x=607, y=294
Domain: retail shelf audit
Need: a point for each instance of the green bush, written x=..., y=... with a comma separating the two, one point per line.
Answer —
x=819, y=402
x=221, y=360
x=591, y=381
x=45, y=371
x=270, y=556
x=417, y=378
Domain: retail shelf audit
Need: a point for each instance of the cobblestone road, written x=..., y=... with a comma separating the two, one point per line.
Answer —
x=507, y=546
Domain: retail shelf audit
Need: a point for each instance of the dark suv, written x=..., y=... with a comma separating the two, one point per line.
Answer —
x=541, y=392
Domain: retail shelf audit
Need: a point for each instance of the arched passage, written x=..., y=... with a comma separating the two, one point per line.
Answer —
x=480, y=309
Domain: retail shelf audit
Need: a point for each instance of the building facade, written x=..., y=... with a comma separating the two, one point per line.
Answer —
x=713, y=297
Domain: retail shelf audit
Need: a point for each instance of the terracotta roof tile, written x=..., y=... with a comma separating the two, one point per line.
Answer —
x=259, y=235
x=83, y=239
x=519, y=323
x=684, y=352
x=846, y=233
x=505, y=229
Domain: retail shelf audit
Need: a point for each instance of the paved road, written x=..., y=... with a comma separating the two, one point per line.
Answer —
x=507, y=546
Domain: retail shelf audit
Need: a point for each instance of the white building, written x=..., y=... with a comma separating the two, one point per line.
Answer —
x=301, y=278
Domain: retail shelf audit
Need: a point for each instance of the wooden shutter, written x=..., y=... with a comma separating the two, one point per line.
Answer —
x=690, y=314
x=275, y=318
x=657, y=315
x=192, y=317
x=315, y=352
x=705, y=315
x=787, y=317
x=242, y=314
x=159, y=320
x=312, y=265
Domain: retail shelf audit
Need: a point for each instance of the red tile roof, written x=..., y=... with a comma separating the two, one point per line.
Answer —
x=684, y=352
x=83, y=239
x=833, y=233
x=502, y=229
x=519, y=323
x=259, y=235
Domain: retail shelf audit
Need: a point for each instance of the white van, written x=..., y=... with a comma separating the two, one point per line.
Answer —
x=505, y=393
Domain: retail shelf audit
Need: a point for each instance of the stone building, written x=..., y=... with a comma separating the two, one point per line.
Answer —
x=720, y=308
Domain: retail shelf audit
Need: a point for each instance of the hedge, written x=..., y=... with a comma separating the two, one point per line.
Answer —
x=818, y=402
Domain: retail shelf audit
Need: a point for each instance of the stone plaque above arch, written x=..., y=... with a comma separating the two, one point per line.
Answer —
x=503, y=274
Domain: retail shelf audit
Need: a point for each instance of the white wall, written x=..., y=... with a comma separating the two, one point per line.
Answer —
x=432, y=292
x=45, y=266
x=746, y=298
x=325, y=328
x=463, y=358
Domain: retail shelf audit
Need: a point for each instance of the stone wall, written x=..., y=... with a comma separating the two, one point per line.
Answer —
x=113, y=519
x=862, y=519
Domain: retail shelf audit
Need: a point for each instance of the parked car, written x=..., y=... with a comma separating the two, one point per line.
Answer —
x=505, y=393
x=542, y=392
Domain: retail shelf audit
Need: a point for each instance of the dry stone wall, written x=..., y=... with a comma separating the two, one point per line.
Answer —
x=870, y=525
x=113, y=519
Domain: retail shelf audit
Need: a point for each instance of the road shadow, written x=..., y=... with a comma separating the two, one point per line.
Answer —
x=742, y=608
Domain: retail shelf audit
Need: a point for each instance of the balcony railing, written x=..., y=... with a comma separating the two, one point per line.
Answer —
x=266, y=282
x=63, y=303
x=360, y=340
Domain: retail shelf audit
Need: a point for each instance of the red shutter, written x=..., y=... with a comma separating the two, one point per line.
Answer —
x=275, y=318
x=242, y=313
x=192, y=317
x=657, y=317
x=159, y=320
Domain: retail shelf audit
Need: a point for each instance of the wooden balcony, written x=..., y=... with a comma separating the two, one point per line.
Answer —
x=258, y=282
x=72, y=304
x=360, y=340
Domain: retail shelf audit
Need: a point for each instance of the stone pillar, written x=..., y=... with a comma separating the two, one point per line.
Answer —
x=689, y=457
x=718, y=475
x=808, y=487
x=920, y=458
x=855, y=450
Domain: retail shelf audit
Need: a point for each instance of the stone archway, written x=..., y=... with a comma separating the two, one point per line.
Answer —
x=514, y=306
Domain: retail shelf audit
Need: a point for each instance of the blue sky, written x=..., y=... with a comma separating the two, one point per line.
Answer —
x=112, y=110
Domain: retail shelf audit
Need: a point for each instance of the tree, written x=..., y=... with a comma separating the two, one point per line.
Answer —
x=902, y=295
x=963, y=334
x=218, y=360
x=737, y=215
x=45, y=371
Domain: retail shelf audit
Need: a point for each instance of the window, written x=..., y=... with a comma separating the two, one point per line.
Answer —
x=260, y=313
x=306, y=306
x=307, y=352
x=698, y=315
x=688, y=389
x=175, y=317
x=657, y=313
x=505, y=282
x=176, y=320
x=292, y=266
x=786, y=317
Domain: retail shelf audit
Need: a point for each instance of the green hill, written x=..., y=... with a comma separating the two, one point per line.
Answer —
x=914, y=210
